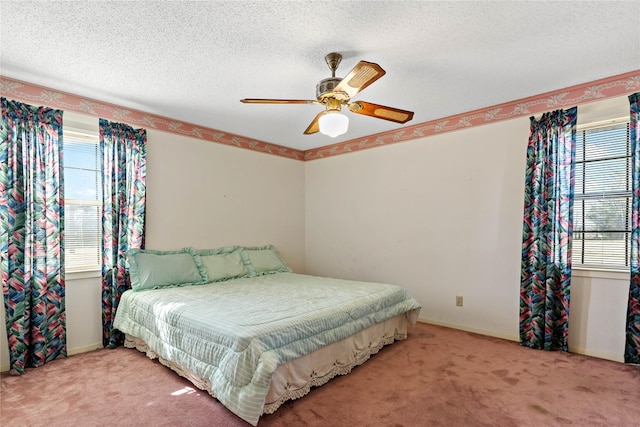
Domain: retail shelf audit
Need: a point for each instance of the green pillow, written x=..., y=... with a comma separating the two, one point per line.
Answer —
x=150, y=269
x=266, y=260
x=225, y=263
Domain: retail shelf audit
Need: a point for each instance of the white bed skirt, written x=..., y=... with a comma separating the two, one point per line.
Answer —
x=295, y=378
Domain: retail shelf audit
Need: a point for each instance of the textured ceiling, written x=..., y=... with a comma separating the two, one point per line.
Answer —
x=194, y=60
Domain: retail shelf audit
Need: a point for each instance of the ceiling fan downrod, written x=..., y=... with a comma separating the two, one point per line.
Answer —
x=333, y=59
x=324, y=88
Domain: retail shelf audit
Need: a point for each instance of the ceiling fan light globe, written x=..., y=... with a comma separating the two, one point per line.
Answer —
x=333, y=124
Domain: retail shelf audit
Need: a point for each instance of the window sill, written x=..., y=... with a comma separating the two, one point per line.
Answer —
x=601, y=274
x=85, y=274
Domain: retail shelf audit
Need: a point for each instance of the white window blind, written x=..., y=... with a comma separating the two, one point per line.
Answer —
x=602, y=203
x=83, y=201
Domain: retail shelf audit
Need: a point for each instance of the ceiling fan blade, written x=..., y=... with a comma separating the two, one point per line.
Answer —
x=362, y=75
x=277, y=101
x=314, y=126
x=381, y=112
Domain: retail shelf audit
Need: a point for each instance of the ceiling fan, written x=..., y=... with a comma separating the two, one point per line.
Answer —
x=334, y=92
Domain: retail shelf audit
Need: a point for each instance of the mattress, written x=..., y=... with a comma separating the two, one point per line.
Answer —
x=235, y=334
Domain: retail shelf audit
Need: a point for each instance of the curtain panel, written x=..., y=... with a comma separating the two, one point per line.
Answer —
x=547, y=231
x=124, y=163
x=31, y=234
x=632, y=345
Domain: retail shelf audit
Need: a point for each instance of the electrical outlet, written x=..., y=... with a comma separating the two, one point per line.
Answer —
x=459, y=301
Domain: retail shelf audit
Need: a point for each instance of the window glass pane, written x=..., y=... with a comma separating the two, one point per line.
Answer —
x=591, y=250
x=80, y=154
x=82, y=236
x=605, y=175
x=81, y=184
x=603, y=215
x=609, y=141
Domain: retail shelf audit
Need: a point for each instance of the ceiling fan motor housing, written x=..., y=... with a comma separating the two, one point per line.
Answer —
x=324, y=88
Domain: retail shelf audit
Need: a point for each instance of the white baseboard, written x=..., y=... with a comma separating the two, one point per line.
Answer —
x=84, y=349
x=598, y=354
x=468, y=329
x=70, y=352
x=572, y=349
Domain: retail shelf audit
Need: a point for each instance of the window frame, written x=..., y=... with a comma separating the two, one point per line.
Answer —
x=594, y=270
x=88, y=136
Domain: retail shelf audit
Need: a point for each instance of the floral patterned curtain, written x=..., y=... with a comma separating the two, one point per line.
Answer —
x=31, y=234
x=547, y=231
x=124, y=152
x=632, y=347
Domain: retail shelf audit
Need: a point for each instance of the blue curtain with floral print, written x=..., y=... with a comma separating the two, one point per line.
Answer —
x=632, y=346
x=124, y=162
x=547, y=231
x=31, y=234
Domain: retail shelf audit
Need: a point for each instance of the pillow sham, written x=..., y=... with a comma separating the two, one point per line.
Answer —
x=225, y=263
x=266, y=260
x=151, y=269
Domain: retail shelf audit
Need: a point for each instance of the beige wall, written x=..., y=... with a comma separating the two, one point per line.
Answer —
x=203, y=195
x=209, y=195
x=442, y=216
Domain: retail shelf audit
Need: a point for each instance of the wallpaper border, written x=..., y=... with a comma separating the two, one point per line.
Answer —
x=41, y=95
x=609, y=87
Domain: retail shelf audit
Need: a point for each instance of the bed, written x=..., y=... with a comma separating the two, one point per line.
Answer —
x=251, y=332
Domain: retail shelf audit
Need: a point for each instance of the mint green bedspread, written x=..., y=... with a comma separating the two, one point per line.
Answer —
x=236, y=333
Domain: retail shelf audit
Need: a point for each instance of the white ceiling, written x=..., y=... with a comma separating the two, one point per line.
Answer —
x=194, y=60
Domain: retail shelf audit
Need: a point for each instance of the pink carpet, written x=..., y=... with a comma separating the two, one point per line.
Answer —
x=437, y=377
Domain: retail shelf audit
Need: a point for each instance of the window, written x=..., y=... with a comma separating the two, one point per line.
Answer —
x=83, y=201
x=602, y=203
